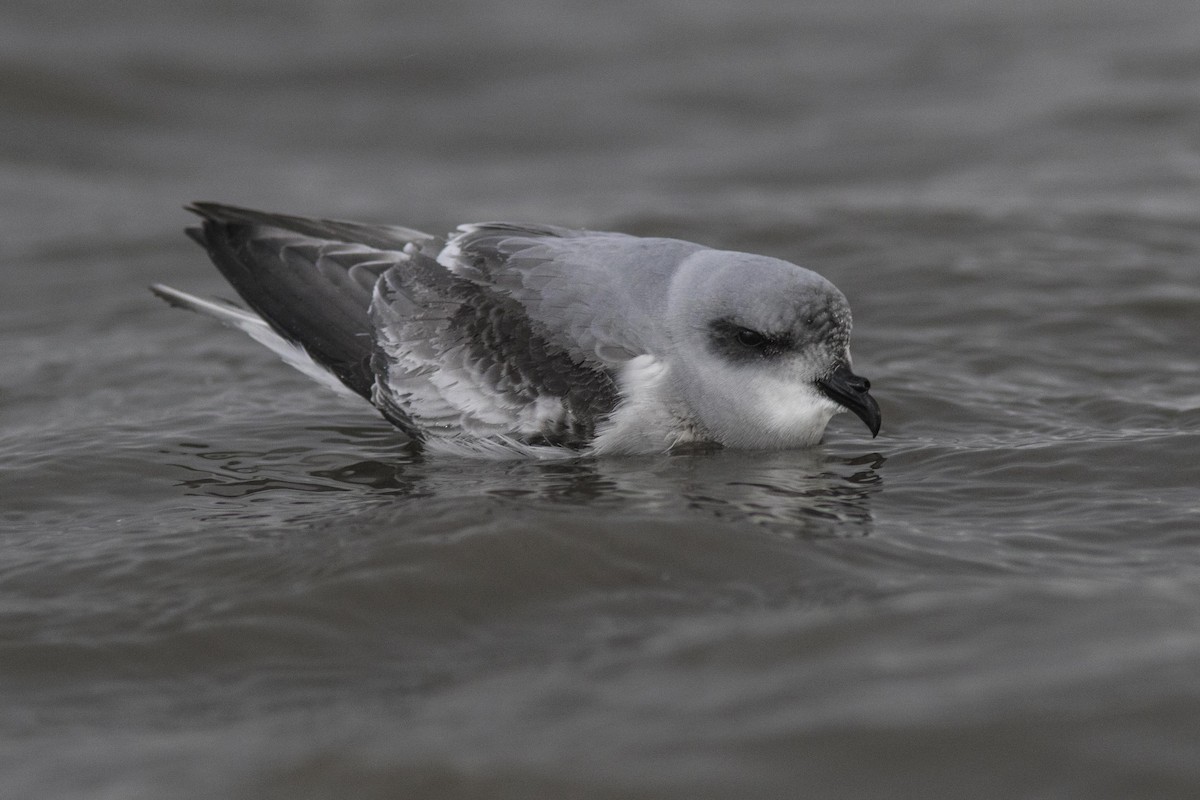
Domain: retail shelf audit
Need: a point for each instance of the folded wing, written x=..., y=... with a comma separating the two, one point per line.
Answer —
x=463, y=360
x=440, y=337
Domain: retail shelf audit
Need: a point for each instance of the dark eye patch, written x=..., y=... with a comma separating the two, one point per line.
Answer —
x=740, y=343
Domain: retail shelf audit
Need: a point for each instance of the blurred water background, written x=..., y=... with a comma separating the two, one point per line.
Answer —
x=217, y=580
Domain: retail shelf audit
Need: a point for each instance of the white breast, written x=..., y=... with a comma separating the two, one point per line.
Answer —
x=649, y=418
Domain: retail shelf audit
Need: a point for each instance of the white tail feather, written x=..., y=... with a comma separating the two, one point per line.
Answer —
x=257, y=329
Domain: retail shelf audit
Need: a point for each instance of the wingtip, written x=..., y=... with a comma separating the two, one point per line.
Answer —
x=216, y=215
x=199, y=207
x=216, y=211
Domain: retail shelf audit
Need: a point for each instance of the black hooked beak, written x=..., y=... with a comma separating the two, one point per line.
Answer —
x=849, y=390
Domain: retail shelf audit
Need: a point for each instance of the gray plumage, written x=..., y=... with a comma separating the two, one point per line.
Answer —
x=508, y=339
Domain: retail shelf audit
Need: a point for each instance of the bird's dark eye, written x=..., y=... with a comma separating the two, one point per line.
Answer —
x=738, y=343
x=749, y=338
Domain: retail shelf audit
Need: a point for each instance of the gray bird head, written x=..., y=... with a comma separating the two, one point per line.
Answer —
x=762, y=355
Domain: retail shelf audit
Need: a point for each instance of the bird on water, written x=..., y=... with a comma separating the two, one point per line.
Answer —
x=507, y=340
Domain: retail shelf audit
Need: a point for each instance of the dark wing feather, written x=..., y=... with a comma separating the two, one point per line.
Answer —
x=311, y=280
x=381, y=237
x=466, y=362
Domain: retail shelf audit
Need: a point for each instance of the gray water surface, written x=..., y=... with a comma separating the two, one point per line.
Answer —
x=219, y=580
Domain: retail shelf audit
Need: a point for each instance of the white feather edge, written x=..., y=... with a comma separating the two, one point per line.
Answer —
x=257, y=329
